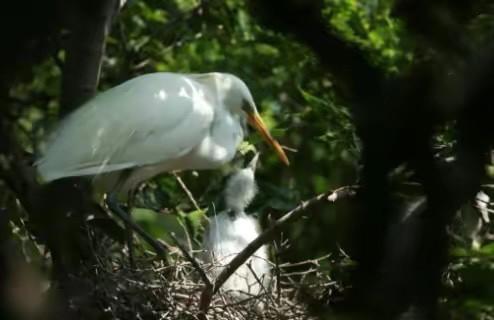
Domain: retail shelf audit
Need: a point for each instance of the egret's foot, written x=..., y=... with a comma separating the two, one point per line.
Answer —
x=129, y=231
x=111, y=201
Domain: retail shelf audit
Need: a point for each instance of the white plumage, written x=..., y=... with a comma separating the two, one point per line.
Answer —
x=154, y=123
x=231, y=231
x=226, y=238
x=240, y=189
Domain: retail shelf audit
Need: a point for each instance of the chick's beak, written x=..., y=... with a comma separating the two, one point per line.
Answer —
x=256, y=121
x=253, y=162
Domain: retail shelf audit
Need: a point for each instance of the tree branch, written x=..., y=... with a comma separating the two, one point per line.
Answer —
x=187, y=191
x=192, y=260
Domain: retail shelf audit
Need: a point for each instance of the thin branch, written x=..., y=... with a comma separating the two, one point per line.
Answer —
x=277, y=267
x=192, y=260
x=301, y=263
x=187, y=191
x=261, y=284
x=194, y=202
x=263, y=238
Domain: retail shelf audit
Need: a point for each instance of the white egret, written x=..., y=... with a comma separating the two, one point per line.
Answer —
x=230, y=231
x=154, y=123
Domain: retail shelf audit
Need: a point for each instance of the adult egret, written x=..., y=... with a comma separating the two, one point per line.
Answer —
x=151, y=124
x=230, y=231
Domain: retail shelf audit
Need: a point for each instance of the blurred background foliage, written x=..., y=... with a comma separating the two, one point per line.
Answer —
x=295, y=97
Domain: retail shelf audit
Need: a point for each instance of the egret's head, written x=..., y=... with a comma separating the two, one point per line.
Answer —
x=241, y=187
x=239, y=99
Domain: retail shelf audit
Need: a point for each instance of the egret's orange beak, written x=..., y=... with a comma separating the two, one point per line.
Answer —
x=256, y=121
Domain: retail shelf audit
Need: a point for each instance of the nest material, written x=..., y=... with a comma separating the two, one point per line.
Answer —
x=155, y=291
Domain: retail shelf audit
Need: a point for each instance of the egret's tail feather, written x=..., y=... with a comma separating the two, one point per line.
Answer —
x=50, y=171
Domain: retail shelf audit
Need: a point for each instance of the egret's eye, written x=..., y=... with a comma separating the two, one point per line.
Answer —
x=248, y=107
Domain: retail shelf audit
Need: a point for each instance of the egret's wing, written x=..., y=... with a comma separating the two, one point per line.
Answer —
x=146, y=120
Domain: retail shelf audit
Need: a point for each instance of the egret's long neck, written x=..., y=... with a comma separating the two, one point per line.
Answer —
x=226, y=131
x=228, y=90
x=226, y=134
x=221, y=143
x=221, y=87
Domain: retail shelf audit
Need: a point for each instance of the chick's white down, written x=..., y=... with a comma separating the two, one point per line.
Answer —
x=230, y=232
x=153, y=123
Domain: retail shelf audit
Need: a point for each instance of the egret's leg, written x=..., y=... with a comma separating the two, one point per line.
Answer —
x=112, y=202
x=158, y=247
x=128, y=228
x=113, y=205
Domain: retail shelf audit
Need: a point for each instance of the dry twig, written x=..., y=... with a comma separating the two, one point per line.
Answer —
x=192, y=260
x=187, y=191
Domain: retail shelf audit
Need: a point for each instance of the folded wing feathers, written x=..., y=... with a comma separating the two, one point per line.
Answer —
x=139, y=139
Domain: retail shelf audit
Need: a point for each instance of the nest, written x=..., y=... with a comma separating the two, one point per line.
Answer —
x=154, y=289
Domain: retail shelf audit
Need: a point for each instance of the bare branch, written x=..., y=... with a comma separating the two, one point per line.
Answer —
x=261, y=284
x=187, y=191
x=192, y=260
x=306, y=262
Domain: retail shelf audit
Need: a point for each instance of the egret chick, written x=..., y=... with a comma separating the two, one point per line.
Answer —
x=231, y=231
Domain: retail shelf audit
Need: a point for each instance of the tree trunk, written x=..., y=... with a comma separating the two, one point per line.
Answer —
x=89, y=23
